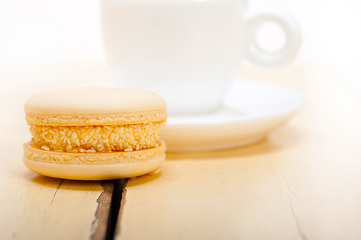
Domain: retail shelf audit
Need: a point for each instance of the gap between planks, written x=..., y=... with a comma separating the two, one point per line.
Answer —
x=107, y=212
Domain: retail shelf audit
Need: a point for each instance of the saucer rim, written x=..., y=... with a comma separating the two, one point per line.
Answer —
x=288, y=110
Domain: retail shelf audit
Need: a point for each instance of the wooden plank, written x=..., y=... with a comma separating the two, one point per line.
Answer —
x=304, y=182
x=37, y=207
x=33, y=206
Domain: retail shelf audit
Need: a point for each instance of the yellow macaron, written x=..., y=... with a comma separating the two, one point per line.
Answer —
x=95, y=133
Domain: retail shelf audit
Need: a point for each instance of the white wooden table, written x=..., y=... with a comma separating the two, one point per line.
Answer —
x=303, y=182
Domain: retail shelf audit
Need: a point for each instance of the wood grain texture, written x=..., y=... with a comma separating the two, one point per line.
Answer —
x=33, y=206
x=303, y=182
x=37, y=207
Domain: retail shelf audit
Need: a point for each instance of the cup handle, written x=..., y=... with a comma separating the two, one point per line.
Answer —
x=257, y=55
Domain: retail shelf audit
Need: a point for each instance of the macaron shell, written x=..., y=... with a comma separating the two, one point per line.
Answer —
x=92, y=166
x=95, y=172
x=94, y=100
x=95, y=119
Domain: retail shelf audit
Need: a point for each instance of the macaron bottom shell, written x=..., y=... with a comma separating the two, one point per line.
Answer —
x=93, y=171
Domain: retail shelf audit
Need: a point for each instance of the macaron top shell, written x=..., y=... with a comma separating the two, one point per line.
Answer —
x=94, y=106
x=94, y=100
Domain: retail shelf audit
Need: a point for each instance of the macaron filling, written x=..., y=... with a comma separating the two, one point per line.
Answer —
x=97, y=138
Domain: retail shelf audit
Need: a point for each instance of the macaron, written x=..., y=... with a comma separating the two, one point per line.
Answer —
x=95, y=133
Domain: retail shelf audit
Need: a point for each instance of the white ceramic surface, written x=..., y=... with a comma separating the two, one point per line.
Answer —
x=188, y=49
x=250, y=111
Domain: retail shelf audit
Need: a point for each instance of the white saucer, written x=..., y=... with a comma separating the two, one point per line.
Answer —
x=251, y=110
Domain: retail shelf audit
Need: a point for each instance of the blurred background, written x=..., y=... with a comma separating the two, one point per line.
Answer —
x=70, y=31
x=49, y=44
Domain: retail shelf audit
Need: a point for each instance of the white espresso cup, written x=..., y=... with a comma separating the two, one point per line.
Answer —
x=188, y=51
